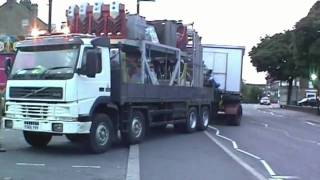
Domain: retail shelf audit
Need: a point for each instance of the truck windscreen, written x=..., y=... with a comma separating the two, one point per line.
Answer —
x=46, y=62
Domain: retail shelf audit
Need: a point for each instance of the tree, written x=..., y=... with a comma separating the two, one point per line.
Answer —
x=275, y=55
x=307, y=41
x=250, y=93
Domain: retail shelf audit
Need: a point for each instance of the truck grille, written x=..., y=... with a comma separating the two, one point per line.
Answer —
x=36, y=92
x=34, y=111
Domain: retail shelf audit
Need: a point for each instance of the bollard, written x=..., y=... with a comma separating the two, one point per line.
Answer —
x=2, y=149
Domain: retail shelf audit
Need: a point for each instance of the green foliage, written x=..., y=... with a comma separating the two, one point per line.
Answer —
x=307, y=41
x=275, y=55
x=250, y=93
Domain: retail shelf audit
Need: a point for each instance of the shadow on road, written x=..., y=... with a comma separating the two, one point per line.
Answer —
x=64, y=148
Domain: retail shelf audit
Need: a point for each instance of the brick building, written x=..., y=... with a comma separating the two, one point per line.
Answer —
x=18, y=19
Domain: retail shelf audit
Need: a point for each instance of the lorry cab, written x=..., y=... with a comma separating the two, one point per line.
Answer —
x=57, y=79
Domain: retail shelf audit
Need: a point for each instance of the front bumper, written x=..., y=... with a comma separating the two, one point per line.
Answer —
x=265, y=102
x=68, y=127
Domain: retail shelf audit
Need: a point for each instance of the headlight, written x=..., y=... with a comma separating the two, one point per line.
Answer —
x=10, y=115
x=13, y=108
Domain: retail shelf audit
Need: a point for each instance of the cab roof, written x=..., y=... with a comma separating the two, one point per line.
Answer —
x=72, y=39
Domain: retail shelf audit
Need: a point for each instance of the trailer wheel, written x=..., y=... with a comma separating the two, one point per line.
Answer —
x=101, y=134
x=192, y=119
x=136, y=129
x=36, y=139
x=236, y=119
x=203, y=120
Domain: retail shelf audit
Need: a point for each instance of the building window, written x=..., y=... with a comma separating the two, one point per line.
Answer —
x=25, y=23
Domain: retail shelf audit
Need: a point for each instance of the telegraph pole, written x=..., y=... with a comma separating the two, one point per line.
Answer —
x=50, y=17
x=138, y=4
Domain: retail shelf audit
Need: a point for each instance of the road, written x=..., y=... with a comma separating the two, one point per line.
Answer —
x=271, y=143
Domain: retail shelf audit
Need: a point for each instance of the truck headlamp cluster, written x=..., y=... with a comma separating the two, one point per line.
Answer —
x=62, y=110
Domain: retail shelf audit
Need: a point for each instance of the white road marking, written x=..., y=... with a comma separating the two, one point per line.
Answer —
x=286, y=133
x=133, y=167
x=234, y=144
x=7, y=178
x=249, y=168
x=249, y=154
x=259, y=123
x=268, y=168
x=29, y=164
x=271, y=113
x=312, y=124
x=93, y=167
x=263, y=162
x=285, y=177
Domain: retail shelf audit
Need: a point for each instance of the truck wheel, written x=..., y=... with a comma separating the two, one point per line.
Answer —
x=236, y=119
x=36, y=139
x=75, y=138
x=101, y=134
x=192, y=119
x=136, y=129
x=203, y=120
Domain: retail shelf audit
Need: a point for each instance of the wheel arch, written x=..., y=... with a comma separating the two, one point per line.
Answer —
x=106, y=106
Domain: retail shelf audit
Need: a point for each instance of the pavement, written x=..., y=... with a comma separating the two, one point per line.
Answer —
x=271, y=143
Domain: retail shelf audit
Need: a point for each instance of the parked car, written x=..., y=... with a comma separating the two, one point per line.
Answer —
x=309, y=101
x=265, y=101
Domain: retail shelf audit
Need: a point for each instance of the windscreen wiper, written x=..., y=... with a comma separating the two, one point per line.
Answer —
x=54, y=68
x=25, y=69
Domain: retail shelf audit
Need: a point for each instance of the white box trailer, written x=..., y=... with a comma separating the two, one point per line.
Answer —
x=225, y=63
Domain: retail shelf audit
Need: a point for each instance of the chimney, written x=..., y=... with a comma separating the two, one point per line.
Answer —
x=10, y=2
x=34, y=10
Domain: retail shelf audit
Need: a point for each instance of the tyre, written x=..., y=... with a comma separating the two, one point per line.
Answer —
x=75, y=138
x=101, y=134
x=203, y=120
x=37, y=139
x=192, y=119
x=136, y=129
x=235, y=120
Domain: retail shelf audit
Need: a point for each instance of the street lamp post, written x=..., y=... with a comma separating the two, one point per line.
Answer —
x=138, y=6
x=50, y=17
x=316, y=81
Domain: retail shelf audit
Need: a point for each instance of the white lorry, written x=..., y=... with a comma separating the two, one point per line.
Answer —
x=225, y=63
x=90, y=87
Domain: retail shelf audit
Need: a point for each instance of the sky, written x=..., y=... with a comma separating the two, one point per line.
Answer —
x=223, y=22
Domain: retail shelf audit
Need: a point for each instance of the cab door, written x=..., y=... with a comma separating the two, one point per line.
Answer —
x=92, y=88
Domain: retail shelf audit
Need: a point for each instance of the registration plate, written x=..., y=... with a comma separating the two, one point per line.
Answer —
x=31, y=125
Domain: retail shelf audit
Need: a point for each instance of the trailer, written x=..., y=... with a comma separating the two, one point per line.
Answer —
x=225, y=64
x=113, y=73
